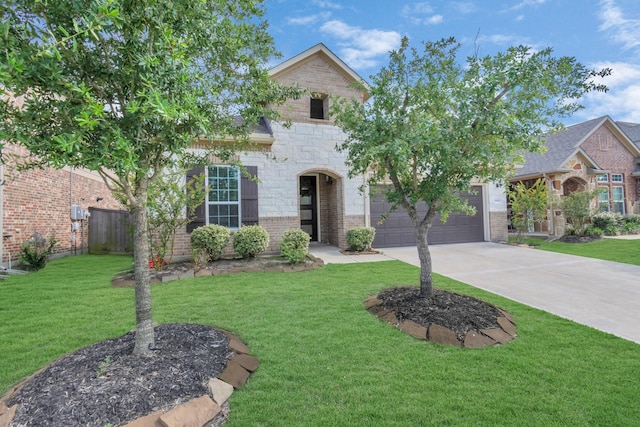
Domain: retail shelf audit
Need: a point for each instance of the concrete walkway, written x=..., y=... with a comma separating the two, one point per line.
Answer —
x=601, y=294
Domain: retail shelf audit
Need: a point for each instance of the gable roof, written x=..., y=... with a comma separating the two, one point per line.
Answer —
x=632, y=130
x=563, y=145
x=319, y=50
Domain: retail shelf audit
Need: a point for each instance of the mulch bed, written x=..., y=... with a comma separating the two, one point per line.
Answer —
x=457, y=312
x=104, y=383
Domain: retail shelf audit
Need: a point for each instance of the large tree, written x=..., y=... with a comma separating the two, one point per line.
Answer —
x=435, y=123
x=122, y=86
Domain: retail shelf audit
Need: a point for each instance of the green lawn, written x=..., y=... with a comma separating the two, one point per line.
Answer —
x=325, y=361
x=626, y=251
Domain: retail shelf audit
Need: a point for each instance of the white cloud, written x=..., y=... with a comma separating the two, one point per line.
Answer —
x=621, y=101
x=527, y=3
x=464, y=7
x=309, y=19
x=622, y=30
x=361, y=48
x=421, y=14
x=327, y=4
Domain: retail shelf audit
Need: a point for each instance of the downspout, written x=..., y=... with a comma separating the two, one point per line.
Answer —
x=552, y=222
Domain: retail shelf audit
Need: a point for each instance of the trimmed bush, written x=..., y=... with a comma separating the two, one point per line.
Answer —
x=631, y=219
x=360, y=238
x=250, y=240
x=295, y=245
x=592, y=231
x=606, y=220
x=209, y=241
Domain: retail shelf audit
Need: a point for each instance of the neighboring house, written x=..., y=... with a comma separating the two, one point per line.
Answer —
x=598, y=153
x=39, y=201
x=308, y=187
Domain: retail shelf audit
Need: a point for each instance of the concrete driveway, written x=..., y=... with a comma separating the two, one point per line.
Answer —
x=601, y=294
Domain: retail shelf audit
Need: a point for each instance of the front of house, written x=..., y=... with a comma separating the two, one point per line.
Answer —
x=596, y=154
x=307, y=185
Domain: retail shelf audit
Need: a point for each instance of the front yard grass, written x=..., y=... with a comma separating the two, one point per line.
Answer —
x=625, y=251
x=327, y=361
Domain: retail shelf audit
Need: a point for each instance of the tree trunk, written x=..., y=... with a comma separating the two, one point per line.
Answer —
x=426, y=279
x=145, y=340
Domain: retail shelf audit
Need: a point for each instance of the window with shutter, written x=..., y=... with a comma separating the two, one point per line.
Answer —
x=232, y=200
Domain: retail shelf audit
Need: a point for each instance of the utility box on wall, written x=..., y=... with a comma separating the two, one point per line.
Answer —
x=76, y=213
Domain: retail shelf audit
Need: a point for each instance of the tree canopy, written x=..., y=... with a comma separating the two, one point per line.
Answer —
x=122, y=87
x=436, y=123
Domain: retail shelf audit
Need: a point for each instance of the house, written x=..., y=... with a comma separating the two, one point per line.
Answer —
x=309, y=186
x=37, y=201
x=599, y=153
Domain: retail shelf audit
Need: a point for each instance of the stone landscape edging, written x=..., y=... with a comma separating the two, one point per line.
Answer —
x=442, y=335
x=208, y=410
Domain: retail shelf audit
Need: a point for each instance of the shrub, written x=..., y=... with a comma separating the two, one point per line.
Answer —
x=606, y=220
x=631, y=227
x=360, y=238
x=631, y=219
x=592, y=231
x=250, y=240
x=35, y=252
x=576, y=208
x=295, y=245
x=209, y=241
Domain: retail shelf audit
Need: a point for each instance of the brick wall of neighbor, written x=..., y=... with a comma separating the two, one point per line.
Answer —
x=39, y=200
x=611, y=154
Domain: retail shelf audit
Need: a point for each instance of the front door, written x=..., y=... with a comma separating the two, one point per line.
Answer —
x=309, y=206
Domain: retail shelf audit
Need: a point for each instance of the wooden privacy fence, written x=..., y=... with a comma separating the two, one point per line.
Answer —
x=110, y=231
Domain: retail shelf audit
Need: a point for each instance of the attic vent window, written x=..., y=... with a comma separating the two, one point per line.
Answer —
x=319, y=106
x=605, y=142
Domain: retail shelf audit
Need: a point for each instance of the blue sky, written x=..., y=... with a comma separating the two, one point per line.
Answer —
x=599, y=33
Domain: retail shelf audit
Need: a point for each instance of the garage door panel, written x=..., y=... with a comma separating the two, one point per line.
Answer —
x=398, y=229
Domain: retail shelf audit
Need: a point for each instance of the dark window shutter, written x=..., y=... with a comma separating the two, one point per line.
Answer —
x=200, y=212
x=249, y=197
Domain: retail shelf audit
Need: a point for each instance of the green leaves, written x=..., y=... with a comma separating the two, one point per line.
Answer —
x=435, y=123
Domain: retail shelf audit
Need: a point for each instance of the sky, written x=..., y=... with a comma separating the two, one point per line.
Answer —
x=598, y=33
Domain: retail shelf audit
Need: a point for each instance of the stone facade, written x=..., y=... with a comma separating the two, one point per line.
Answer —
x=39, y=200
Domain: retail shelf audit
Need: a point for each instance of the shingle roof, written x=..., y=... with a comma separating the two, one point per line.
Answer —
x=560, y=147
x=632, y=130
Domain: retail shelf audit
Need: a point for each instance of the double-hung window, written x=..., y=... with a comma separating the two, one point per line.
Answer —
x=223, y=202
x=618, y=199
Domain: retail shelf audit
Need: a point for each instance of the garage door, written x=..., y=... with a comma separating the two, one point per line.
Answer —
x=397, y=229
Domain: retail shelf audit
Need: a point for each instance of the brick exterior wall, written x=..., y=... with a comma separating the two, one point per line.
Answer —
x=612, y=155
x=321, y=77
x=498, y=226
x=39, y=200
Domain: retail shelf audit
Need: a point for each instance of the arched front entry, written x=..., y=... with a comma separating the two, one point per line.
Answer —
x=572, y=185
x=321, y=205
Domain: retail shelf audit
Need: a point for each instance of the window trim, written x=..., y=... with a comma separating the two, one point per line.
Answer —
x=604, y=176
x=237, y=203
x=621, y=175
